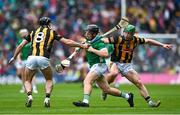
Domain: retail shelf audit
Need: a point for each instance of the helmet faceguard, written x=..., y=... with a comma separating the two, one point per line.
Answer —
x=91, y=31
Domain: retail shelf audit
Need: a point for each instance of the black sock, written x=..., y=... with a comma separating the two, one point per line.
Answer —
x=147, y=98
x=29, y=93
x=19, y=76
x=48, y=95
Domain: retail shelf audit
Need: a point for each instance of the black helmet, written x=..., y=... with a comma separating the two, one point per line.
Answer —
x=44, y=21
x=93, y=28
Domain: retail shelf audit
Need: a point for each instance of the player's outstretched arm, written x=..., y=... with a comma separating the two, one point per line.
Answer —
x=73, y=43
x=17, y=51
x=157, y=43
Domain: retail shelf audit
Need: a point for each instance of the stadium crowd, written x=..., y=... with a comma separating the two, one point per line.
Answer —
x=70, y=17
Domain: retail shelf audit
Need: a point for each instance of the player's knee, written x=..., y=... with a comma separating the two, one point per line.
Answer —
x=114, y=73
x=113, y=76
x=85, y=83
x=88, y=81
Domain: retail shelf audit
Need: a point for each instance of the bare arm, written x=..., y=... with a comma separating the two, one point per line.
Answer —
x=156, y=43
x=102, y=53
x=18, y=49
x=105, y=40
x=19, y=57
x=108, y=40
x=72, y=43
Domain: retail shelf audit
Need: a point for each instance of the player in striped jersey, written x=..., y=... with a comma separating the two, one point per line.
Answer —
x=41, y=43
x=124, y=46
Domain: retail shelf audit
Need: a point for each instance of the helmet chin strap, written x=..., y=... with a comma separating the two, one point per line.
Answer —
x=95, y=36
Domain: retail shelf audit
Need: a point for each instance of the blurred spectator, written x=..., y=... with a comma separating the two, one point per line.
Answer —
x=70, y=17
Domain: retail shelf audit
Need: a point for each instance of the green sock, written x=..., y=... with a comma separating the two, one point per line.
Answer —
x=124, y=95
x=86, y=98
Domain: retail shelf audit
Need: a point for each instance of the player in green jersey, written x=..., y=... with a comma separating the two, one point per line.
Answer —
x=22, y=57
x=96, y=55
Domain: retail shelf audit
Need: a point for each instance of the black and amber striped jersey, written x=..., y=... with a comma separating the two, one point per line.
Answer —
x=123, y=49
x=42, y=41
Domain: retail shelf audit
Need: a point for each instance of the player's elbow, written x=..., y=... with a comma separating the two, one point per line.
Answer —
x=105, y=54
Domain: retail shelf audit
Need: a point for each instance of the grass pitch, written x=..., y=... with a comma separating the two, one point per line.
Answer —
x=13, y=102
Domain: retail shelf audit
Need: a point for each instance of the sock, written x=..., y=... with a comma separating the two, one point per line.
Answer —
x=124, y=95
x=19, y=76
x=29, y=93
x=86, y=98
x=48, y=95
x=148, y=98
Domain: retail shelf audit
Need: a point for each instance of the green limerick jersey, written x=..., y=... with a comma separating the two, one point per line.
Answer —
x=93, y=58
x=110, y=48
x=25, y=50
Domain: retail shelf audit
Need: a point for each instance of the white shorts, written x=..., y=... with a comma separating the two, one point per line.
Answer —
x=20, y=64
x=99, y=69
x=124, y=68
x=37, y=62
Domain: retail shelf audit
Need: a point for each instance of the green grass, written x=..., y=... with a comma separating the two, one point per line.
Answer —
x=12, y=102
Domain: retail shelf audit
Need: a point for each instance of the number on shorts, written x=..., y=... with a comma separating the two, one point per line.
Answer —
x=39, y=37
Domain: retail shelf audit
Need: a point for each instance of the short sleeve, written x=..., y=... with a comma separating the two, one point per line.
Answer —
x=19, y=40
x=110, y=48
x=117, y=38
x=101, y=46
x=57, y=36
x=139, y=40
x=28, y=38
